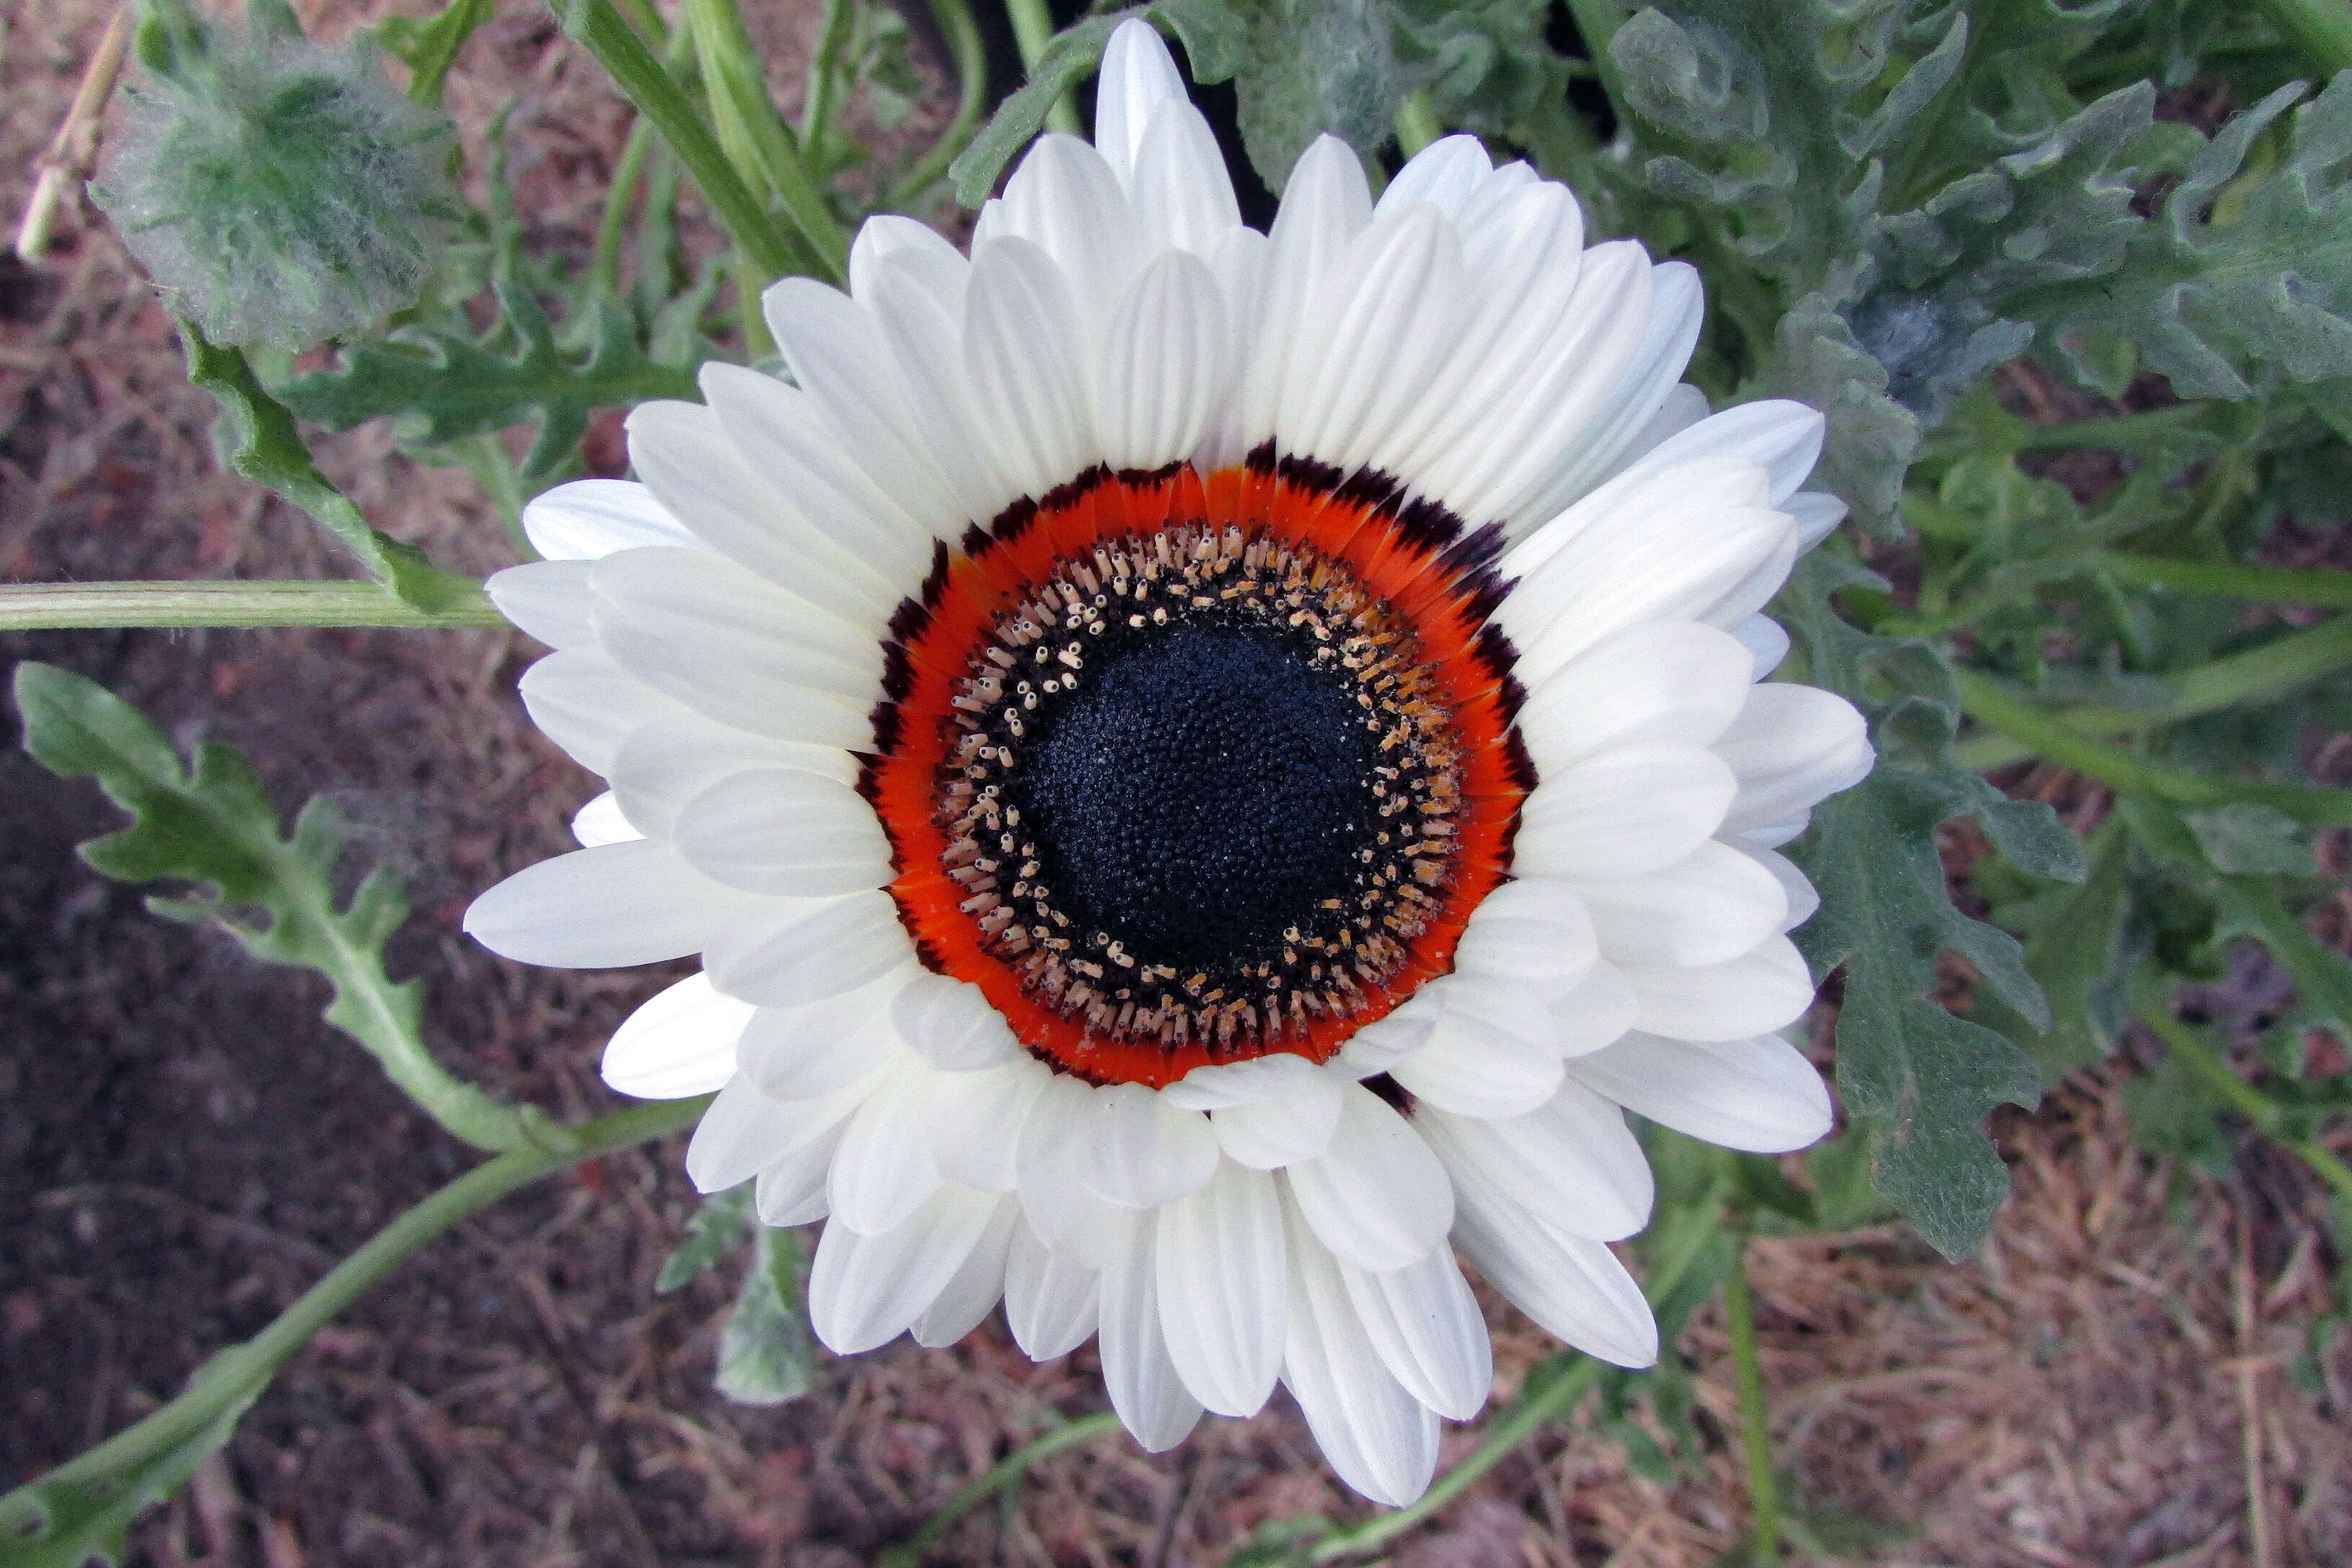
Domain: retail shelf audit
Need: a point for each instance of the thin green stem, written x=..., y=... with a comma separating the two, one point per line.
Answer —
x=2322, y=30
x=1542, y=1402
x=971, y=57
x=1417, y=125
x=2186, y=1042
x=1598, y=21
x=677, y=55
x=2331, y=590
x=1032, y=30
x=1003, y=1475
x=2046, y=735
x=823, y=77
x=111, y=1474
x=1755, y=1432
x=602, y=31
x=755, y=138
x=62, y=606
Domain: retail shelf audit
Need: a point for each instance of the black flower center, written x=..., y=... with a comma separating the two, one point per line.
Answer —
x=1204, y=788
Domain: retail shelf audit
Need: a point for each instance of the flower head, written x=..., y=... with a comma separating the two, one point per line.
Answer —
x=1205, y=768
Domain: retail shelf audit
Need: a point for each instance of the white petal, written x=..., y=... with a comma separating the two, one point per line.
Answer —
x=1162, y=366
x=798, y=950
x=1380, y=1045
x=1792, y=747
x=585, y=703
x=596, y=909
x=1572, y=1162
x=1492, y=1054
x=683, y=452
x=867, y=1290
x=1426, y=1326
x=1817, y=516
x=1219, y=1269
x=1766, y=640
x=745, y=1133
x=1781, y=436
x=1648, y=404
x=883, y=1171
x=885, y=235
x=1063, y=1210
x=670, y=760
x=1573, y=1287
x=1050, y=1298
x=1022, y=350
x=1803, y=899
x=592, y=518
x=1142, y=1379
x=951, y=1025
x=601, y=822
x=1180, y=188
x=1138, y=1150
x=548, y=599
x=1758, y=991
x=1760, y=1095
x=1628, y=811
x=1709, y=909
x=778, y=830
x=1379, y=1437
x=1219, y=1085
x=1238, y=259
x=1532, y=931
x=1137, y=76
x=1661, y=680
x=1064, y=199
x=972, y=1122
x=1596, y=1014
x=1378, y=1198
x=1443, y=173
x=677, y=1044
x=826, y=1045
x=1283, y=1129
x=969, y=1297
x=1324, y=205
x=793, y=1191
x=1363, y=359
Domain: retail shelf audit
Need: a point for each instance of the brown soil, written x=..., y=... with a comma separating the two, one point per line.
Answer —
x=186, y=1145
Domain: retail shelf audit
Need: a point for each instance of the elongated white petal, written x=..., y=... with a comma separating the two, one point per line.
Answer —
x=886, y=235
x=1138, y=1150
x=745, y=1131
x=1427, y=1329
x=1324, y=205
x=794, y=952
x=1573, y=1286
x=779, y=830
x=1137, y=76
x=1379, y=1437
x=1492, y=1054
x=1628, y=811
x=1283, y=1129
x=588, y=518
x=1364, y=357
x=548, y=599
x=1783, y=438
x=1643, y=410
x=1802, y=900
x=1219, y=1267
x=1050, y=1298
x=1531, y=932
x=583, y=702
x=826, y=1044
x=1178, y=188
x=1443, y=173
x=1766, y=640
x=1064, y=199
x=1138, y=1372
x=791, y=1191
x=1162, y=367
x=1760, y=1095
x=595, y=909
x=1596, y=1014
x=1792, y=747
x=679, y=1043
x=1571, y=1162
x=1066, y=1213
x=882, y=1173
x=866, y=1290
x=975, y=1289
x=1219, y=1085
x=1022, y=350
x=1378, y=1198
x=670, y=760
x=951, y=1026
x=972, y=1122
x=601, y=821
x=1659, y=681
x=1707, y=909
x=1754, y=993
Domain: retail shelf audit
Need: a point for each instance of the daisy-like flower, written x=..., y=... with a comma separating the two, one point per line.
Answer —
x=1205, y=770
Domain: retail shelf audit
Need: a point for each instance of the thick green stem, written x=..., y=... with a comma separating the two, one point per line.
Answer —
x=602, y=31
x=1417, y=125
x=2332, y=590
x=1756, y=1434
x=62, y=606
x=2322, y=30
x=2045, y=735
x=99, y=1480
x=1032, y=30
x=1006, y=1472
x=971, y=57
x=2186, y=1042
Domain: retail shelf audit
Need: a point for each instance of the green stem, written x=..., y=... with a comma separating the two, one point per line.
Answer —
x=1542, y=1402
x=111, y=1475
x=755, y=137
x=1755, y=1435
x=1598, y=21
x=2186, y=1042
x=2322, y=30
x=970, y=57
x=61, y=606
x=605, y=272
x=602, y=30
x=2331, y=590
x=1005, y=1473
x=2045, y=735
x=1032, y=30
x=1417, y=125
x=2256, y=675
x=817, y=113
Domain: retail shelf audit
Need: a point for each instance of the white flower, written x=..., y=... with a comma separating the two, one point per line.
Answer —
x=1203, y=768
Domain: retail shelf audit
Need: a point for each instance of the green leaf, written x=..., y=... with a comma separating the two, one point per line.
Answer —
x=429, y=48
x=1212, y=40
x=218, y=828
x=718, y=1228
x=766, y=1355
x=258, y=441
x=2079, y=954
x=1920, y=1079
x=1484, y=65
x=2242, y=839
x=1315, y=67
x=443, y=385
